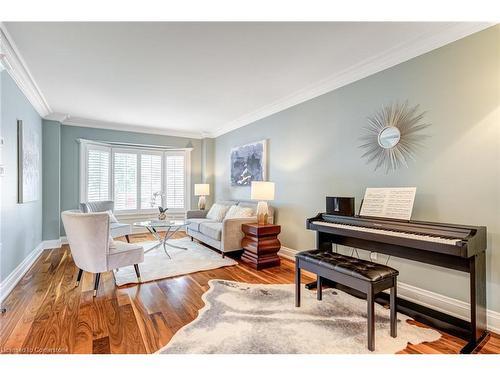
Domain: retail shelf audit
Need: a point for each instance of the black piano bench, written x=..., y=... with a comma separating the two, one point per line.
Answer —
x=362, y=275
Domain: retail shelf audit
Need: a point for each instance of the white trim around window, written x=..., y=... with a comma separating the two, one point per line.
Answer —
x=109, y=194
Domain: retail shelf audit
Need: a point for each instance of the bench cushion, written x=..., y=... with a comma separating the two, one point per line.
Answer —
x=357, y=268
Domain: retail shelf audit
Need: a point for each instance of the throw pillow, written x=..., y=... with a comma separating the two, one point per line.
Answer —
x=237, y=212
x=112, y=217
x=112, y=244
x=217, y=212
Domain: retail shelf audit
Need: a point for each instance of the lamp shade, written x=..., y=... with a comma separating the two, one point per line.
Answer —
x=262, y=191
x=201, y=189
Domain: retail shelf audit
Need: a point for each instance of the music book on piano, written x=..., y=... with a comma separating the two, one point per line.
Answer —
x=390, y=203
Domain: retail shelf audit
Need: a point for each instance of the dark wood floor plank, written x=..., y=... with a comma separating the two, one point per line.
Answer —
x=20, y=298
x=101, y=346
x=47, y=313
x=134, y=341
x=45, y=328
x=84, y=332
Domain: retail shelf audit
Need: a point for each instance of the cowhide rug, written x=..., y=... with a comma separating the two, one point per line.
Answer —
x=261, y=318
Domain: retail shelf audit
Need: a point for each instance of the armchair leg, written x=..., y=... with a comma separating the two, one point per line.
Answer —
x=137, y=272
x=96, y=283
x=79, y=277
x=127, y=238
x=223, y=255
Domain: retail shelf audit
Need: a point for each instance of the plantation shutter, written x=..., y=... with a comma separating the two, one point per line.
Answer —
x=125, y=180
x=98, y=188
x=150, y=180
x=175, y=180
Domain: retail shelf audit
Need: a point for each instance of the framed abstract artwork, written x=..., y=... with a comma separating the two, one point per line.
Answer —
x=249, y=163
x=29, y=163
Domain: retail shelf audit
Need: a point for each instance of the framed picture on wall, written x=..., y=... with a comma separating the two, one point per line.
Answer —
x=28, y=160
x=249, y=163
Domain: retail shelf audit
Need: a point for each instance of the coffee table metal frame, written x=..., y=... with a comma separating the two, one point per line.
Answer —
x=171, y=227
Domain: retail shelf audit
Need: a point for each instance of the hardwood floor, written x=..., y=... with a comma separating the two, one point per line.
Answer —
x=46, y=313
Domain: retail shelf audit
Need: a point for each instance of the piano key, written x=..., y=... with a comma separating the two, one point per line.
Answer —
x=446, y=241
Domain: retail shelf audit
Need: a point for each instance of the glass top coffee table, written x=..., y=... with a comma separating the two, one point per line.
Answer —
x=169, y=226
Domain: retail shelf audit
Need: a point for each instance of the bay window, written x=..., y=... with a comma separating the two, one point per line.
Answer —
x=125, y=180
x=151, y=180
x=137, y=179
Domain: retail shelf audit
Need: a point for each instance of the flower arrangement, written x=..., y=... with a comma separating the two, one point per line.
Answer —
x=162, y=211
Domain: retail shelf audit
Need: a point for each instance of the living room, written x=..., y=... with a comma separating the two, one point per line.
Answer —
x=249, y=187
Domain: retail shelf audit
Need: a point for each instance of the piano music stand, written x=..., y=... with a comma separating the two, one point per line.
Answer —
x=379, y=218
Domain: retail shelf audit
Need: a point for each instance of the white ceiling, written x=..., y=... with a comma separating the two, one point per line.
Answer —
x=206, y=78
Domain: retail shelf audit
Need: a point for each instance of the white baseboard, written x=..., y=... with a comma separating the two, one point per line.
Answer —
x=439, y=302
x=17, y=274
x=52, y=244
x=287, y=253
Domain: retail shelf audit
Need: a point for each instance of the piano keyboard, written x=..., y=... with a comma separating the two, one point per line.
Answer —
x=436, y=239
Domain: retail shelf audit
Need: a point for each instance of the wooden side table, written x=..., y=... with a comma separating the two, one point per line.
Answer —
x=261, y=245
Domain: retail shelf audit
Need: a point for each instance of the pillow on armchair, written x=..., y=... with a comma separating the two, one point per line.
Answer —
x=217, y=212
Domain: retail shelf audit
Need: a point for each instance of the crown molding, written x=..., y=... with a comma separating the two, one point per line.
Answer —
x=13, y=62
x=375, y=64
x=56, y=116
x=89, y=123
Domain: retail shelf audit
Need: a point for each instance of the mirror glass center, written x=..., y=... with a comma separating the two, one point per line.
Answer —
x=389, y=137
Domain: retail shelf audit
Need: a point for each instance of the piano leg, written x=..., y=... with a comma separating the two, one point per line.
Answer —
x=478, y=334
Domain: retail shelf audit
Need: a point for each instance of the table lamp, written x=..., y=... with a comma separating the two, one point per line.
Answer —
x=262, y=191
x=201, y=190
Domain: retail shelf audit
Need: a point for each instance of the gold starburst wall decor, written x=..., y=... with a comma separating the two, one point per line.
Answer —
x=393, y=136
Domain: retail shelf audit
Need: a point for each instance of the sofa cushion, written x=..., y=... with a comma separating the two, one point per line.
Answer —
x=194, y=224
x=212, y=230
x=270, y=209
x=217, y=212
x=251, y=205
x=237, y=212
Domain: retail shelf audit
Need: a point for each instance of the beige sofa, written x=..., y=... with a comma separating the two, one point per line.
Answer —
x=225, y=235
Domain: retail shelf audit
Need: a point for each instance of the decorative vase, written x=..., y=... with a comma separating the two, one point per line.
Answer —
x=163, y=213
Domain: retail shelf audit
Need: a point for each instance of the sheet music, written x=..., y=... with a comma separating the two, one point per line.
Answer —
x=392, y=203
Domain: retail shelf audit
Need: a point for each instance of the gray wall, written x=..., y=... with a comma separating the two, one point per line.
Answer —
x=207, y=166
x=313, y=152
x=21, y=223
x=51, y=179
x=70, y=167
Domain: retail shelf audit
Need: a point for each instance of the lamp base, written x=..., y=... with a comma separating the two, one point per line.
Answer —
x=262, y=213
x=201, y=202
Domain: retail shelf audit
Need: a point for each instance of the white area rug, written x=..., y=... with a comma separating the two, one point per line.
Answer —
x=157, y=265
x=259, y=318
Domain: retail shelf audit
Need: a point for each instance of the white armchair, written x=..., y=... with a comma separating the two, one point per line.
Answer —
x=115, y=229
x=92, y=248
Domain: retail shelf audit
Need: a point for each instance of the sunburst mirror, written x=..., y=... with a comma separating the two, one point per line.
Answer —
x=393, y=136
